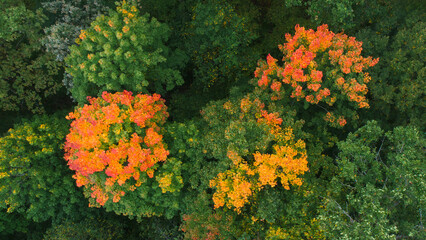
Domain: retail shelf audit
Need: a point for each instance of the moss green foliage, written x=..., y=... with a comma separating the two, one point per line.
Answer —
x=34, y=179
x=27, y=73
x=122, y=51
x=159, y=228
x=273, y=19
x=337, y=13
x=399, y=81
x=11, y=223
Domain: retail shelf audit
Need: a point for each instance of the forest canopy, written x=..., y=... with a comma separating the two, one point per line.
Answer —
x=212, y=119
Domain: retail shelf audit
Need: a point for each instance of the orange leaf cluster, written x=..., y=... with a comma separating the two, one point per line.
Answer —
x=333, y=120
x=127, y=10
x=307, y=55
x=100, y=142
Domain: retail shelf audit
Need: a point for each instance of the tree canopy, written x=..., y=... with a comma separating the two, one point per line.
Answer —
x=212, y=119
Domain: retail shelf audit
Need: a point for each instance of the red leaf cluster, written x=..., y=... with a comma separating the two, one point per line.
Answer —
x=318, y=66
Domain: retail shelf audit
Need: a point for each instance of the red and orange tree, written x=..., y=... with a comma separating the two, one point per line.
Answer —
x=115, y=145
x=321, y=68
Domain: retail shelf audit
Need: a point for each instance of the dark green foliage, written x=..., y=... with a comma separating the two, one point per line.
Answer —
x=34, y=179
x=339, y=14
x=11, y=223
x=27, y=73
x=91, y=228
x=399, y=82
x=380, y=190
x=217, y=40
x=278, y=20
x=160, y=228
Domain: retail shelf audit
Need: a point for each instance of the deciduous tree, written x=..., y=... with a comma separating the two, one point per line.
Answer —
x=115, y=146
x=122, y=51
x=34, y=179
x=28, y=74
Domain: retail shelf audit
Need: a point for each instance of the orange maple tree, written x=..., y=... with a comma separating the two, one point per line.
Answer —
x=115, y=139
x=318, y=66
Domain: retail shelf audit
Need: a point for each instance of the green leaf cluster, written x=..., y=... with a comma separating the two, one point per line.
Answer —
x=34, y=178
x=151, y=199
x=28, y=74
x=379, y=192
x=217, y=39
x=122, y=51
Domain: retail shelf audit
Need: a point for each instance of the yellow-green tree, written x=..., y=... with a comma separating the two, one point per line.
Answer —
x=121, y=51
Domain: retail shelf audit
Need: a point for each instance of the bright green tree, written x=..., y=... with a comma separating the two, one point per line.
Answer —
x=122, y=51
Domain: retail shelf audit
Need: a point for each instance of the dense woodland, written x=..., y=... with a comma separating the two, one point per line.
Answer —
x=213, y=119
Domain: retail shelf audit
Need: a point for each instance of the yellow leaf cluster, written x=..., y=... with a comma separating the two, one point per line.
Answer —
x=235, y=186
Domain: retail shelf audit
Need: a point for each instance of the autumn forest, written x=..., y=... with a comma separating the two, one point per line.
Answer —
x=212, y=119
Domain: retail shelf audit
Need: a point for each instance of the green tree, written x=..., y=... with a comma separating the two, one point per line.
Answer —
x=34, y=179
x=398, y=86
x=122, y=51
x=12, y=223
x=70, y=17
x=217, y=41
x=379, y=192
x=27, y=74
x=339, y=14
